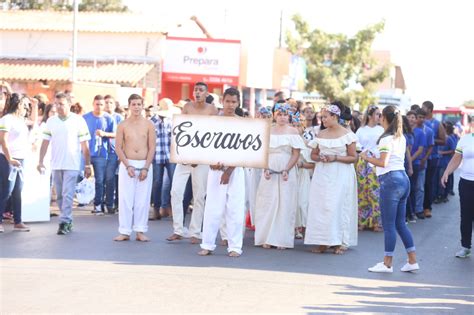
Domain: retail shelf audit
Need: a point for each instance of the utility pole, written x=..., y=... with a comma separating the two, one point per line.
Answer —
x=281, y=29
x=74, y=42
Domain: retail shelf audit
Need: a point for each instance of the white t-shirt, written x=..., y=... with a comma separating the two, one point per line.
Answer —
x=65, y=138
x=396, y=147
x=465, y=147
x=17, y=140
x=368, y=136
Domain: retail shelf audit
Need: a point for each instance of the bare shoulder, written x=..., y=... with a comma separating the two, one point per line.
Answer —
x=187, y=107
x=293, y=131
x=212, y=109
x=150, y=124
x=322, y=134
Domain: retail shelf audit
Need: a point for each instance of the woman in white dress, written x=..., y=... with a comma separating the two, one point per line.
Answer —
x=332, y=212
x=275, y=207
x=305, y=170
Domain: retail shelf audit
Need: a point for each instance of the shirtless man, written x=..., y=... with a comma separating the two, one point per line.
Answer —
x=198, y=175
x=135, y=147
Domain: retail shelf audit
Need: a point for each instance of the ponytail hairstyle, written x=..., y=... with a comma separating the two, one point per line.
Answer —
x=395, y=122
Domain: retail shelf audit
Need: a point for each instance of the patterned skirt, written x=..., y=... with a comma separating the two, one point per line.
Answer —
x=368, y=195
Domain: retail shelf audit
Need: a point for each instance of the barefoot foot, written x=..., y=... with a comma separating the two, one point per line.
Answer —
x=320, y=249
x=266, y=246
x=174, y=237
x=142, y=237
x=195, y=240
x=340, y=250
x=121, y=238
x=204, y=252
x=234, y=254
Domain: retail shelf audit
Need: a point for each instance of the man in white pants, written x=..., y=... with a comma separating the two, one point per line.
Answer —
x=135, y=147
x=225, y=197
x=198, y=174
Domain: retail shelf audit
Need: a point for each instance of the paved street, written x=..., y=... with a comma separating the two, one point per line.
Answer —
x=86, y=272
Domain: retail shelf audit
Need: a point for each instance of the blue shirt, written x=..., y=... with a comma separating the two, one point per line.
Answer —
x=451, y=142
x=433, y=124
x=99, y=146
x=118, y=119
x=419, y=140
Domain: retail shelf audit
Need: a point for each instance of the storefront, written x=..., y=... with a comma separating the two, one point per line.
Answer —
x=190, y=60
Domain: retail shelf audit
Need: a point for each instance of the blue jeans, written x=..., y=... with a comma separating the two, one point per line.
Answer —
x=394, y=191
x=99, y=164
x=420, y=190
x=10, y=188
x=110, y=187
x=160, y=200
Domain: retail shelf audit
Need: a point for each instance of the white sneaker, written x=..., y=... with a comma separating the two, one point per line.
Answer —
x=463, y=253
x=380, y=267
x=410, y=267
x=97, y=210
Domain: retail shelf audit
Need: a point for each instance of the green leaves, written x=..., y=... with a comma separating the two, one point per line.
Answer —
x=335, y=61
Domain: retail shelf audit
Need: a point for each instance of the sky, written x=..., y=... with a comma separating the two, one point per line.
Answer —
x=432, y=41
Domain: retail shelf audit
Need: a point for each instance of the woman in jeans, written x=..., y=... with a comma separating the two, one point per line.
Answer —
x=13, y=150
x=394, y=190
x=464, y=153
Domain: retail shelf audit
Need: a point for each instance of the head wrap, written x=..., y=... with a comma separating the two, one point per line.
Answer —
x=282, y=107
x=334, y=109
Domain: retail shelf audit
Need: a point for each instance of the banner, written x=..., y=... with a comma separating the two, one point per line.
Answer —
x=209, y=60
x=232, y=141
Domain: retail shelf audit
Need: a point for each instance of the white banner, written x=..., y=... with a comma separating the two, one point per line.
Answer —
x=217, y=139
x=202, y=56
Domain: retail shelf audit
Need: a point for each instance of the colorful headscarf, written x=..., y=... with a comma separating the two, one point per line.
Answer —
x=334, y=109
x=282, y=107
x=265, y=111
x=295, y=118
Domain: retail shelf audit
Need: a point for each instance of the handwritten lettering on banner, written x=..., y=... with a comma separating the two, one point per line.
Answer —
x=211, y=139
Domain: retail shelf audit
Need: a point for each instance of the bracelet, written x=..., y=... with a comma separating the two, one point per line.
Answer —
x=144, y=169
x=129, y=167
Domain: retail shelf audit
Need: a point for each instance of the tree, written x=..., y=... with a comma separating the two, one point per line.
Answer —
x=469, y=103
x=339, y=67
x=66, y=5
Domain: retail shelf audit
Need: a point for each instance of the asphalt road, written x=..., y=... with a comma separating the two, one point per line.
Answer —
x=86, y=272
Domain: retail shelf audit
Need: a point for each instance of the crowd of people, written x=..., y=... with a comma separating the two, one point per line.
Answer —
x=330, y=173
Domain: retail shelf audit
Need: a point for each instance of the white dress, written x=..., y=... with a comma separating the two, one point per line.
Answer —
x=304, y=182
x=332, y=212
x=275, y=208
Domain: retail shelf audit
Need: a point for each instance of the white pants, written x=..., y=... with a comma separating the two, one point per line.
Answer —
x=134, y=199
x=199, y=182
x=226, y=201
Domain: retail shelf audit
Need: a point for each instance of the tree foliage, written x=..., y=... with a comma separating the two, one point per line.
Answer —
x=469, y=103
x=338, y=66
x=65, y=5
